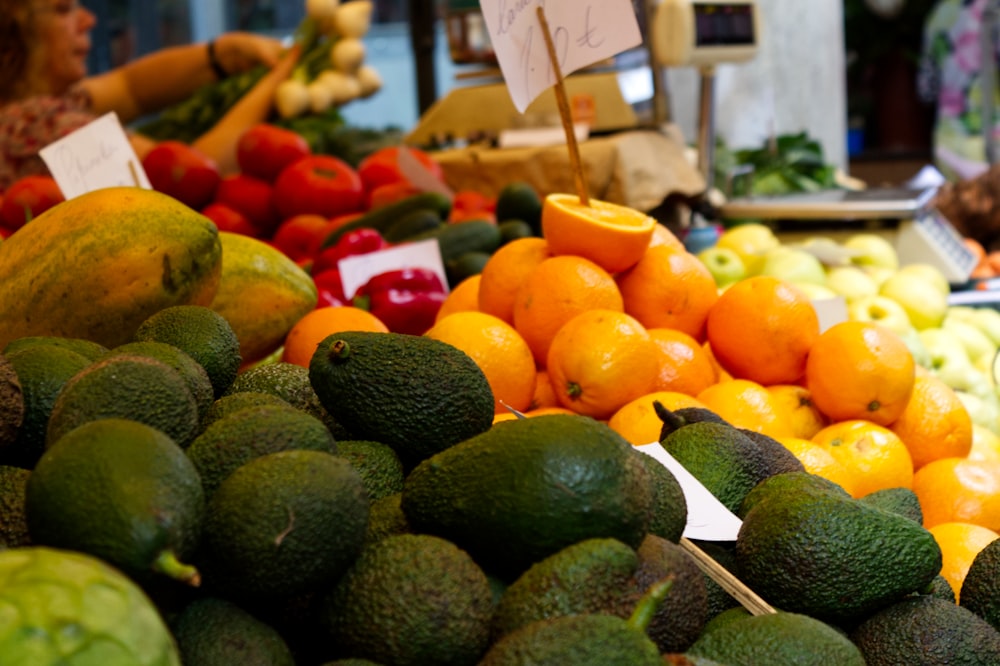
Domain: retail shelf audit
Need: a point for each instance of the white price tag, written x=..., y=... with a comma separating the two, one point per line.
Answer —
x=583, y=32
x=356, y=270
x=96, y=156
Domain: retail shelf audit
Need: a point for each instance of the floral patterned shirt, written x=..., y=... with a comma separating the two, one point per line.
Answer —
x=27, y=126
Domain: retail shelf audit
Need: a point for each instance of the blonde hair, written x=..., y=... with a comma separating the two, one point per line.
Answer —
x=17, y=34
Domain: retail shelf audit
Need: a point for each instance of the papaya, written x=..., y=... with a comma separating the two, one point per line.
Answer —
x=262, y=294
x=97, y=265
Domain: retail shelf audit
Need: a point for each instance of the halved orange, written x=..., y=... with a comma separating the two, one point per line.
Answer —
x=611, y=235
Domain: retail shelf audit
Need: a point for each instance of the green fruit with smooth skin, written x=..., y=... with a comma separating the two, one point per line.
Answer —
x=216, y=632
x=122, y=491
x=528, y=488
x=415, y=394
x=92, y=613
x=519, y=200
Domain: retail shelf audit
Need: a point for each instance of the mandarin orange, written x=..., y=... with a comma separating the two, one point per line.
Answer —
x=637, y=421
x=874, y=456
x=504, y=273
x=464, y=297
x=819, y=461
x=684, y=365
x=960, y=543
x=935, y=423
x=959, y=490
x=747, y=404
x=308, y=332
x=803, y=416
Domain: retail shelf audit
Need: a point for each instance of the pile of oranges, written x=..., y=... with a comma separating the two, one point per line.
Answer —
x=608, y=313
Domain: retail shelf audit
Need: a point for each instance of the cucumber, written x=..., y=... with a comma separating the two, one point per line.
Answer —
x=457, y=238
x=466, y=265
x=413, y=223
x=382, y=217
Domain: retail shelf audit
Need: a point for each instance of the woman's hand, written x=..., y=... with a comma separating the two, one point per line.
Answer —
x=238, y=52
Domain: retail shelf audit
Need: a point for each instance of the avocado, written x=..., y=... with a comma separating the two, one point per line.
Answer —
x=925, y=631
x=386, y=518
x=126, y=386
x=942, y=589
x=898, y=500
x=216, y=632
x=674, y=419
x=42, y=371
x=250, y=433
x=380, y=468
x=777, y=458
x=13, y=523
x=723, y=552
x=283, y=524
x=586, y=577
x=788, y=482
x=831, y=557
x=777, y=639
x=87, y=348
x=410, y=600
x=205, y=335
x=227, y=404
x=669, y=506
x=415, y=394
x=190, y=370
x=528, y=488
x=980, y=591
x=122, y=491
x=11, y=404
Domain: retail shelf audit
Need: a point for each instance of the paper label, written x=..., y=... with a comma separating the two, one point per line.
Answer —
x=582, y=32
x=96, y=156
x=356, y=270
x=419, y=175
x=707, y=518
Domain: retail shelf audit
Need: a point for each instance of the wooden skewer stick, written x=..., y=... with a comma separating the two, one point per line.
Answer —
x=564, y=114
x=727, y=581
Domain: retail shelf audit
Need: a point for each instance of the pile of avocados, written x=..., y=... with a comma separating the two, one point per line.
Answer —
x=367, y=510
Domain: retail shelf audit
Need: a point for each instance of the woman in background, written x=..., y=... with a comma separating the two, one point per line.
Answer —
x=45, y=92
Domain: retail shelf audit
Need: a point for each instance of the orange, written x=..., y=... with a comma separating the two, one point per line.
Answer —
x=804, y=418
x=664, y=236
x=545, y=395
x=819, y=461
x=464, y=297
x=960, y=543
x=747, y=404
x=637, y=421
x=507, y=415
x=934, y=424
x=558, y=289
x=875, y=457
x=308, y=332
x=684, y=365
x=600, y=360
x=722, y=373
x=985, y=444
x=860, y=370
x=959, y=490
x=611, y=235
x=669, y=288
x=762, y=329
x=499, y=351
x=504, y=273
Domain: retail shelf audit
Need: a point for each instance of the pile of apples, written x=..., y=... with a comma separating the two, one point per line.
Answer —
x=957, y=343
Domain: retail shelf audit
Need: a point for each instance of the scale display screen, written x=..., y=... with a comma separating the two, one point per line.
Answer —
x=723, y=24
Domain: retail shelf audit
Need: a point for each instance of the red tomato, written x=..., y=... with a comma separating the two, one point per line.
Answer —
x=27, y=198
x=390, y=193
x=264, y=150
x=299, y=235
x=382, y=166
x=183, y=172
x=251, y=196
x=319, y=184
x=229, y=219
x=472, y=205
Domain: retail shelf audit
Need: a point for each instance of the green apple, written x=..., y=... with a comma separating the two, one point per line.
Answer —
x=816, y=292
x=917, y=348
x=872, y=250
x=850, y=282
x=793, y=264
x=879, y=274
x=988, y=321
x=976, y=342
x=724, y=265
x=984, y=364
x=949, y=360
x=751, y=241
x=930, y=273
x=880, y=310
x=922, y=300
x=982, y=410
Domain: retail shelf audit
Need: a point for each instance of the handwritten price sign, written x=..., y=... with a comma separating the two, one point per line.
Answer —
x=583, y=32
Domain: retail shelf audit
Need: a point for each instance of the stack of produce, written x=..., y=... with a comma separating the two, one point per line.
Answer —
x=380, y=500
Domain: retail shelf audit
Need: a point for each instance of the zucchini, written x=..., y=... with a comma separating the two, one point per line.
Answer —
x=413, y=223
x=382, y=217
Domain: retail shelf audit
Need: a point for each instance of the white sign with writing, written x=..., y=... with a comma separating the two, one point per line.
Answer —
x=583, y=32
x=356, y=270
x=96, y=156
x=708, y=519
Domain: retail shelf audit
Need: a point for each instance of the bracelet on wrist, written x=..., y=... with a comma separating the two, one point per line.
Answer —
x=213, y=62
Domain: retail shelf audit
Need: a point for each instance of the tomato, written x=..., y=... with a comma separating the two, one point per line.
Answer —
x=298, y=236
x=229, y=219
x=183, y=172
x=264, y=150
x=472, y=205
x=390, y=193
x=382, y=166
x=27, y=198
x=251, y=196
x=319, y=184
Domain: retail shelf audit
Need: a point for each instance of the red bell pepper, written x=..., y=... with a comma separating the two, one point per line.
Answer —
x=359, y=241
x=329, y=288
x=405, y=300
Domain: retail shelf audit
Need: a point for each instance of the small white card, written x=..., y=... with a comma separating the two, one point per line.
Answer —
x=582, y=32
x=540, y=136
x=96, y=156
x=830, y=311
x=708, y=519
x=356, y=270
